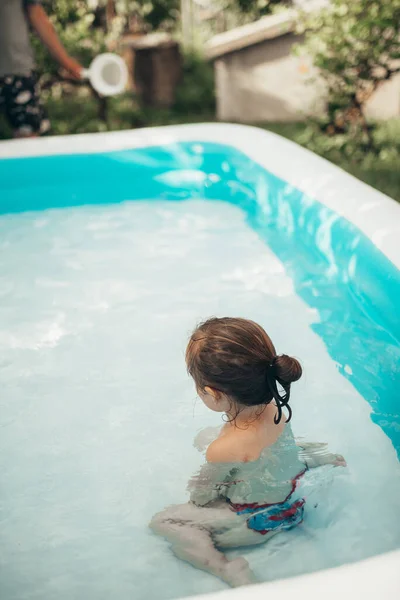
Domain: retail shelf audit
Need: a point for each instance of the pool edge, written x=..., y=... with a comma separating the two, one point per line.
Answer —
x=369, y=579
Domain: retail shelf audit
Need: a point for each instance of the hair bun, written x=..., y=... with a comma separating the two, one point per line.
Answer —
x=287, y=369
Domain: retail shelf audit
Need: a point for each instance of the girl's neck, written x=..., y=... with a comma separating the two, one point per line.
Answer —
x=251, y=416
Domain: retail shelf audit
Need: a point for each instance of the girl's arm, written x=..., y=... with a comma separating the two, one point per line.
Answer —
x=316, y=455
x=204, y=487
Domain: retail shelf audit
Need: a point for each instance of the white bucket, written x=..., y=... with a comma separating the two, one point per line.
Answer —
x=107, y=74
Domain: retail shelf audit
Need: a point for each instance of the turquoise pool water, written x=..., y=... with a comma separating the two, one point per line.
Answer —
x=102, y=275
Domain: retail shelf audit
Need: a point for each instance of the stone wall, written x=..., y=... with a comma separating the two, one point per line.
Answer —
x=266, y=82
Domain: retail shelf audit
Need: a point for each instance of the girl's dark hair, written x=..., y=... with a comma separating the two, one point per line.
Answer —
x=237, y=358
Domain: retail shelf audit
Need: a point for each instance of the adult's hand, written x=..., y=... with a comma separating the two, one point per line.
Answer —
x=73, y=68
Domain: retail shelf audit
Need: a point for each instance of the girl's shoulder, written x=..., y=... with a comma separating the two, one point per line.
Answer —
x=224, y=450
x=241, y=447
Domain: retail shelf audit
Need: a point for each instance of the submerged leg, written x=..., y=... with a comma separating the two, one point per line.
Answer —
x=243, y=536
x=193, y=542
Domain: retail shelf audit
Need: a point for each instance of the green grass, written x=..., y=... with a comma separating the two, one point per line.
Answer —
x=381, y=169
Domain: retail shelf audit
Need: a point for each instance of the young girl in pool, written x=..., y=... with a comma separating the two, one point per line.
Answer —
x=245, y=493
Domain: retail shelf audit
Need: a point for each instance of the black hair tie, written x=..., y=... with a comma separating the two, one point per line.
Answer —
x=281, y=400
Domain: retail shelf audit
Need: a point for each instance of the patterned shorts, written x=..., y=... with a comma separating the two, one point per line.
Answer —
x=19, y=98
x=281, y=516
x=276, y=517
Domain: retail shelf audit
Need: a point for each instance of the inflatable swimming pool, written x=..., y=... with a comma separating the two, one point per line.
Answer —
x=104, y=270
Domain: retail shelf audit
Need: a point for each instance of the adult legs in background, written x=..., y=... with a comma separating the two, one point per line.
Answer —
x=19, y=97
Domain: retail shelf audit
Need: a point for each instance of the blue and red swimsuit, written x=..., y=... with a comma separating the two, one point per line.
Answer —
x=280, y=516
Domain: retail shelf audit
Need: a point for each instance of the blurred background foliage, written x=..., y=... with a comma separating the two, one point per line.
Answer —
x=356, y=47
